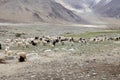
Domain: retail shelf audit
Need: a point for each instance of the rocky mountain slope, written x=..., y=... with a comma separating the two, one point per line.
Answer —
x=47, y=11
x=58, y=11
x=107, y=8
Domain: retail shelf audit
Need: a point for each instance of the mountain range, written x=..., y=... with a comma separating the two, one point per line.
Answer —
x=47, y=11
x=105, y=8
x=58, y=11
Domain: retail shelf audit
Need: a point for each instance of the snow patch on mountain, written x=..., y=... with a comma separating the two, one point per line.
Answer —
x=68, y=6
x=97, y=1
x=107, y=1
x=101, y=2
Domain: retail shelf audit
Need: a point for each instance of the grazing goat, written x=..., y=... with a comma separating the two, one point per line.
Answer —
x=63, y=39
x=82, y=40
x=0, y=46
x=8, y=52
x=116, y=39
x=72, y=39
x=54, y=42
x=33, y=43
x=21, y=56
x=41, y=39
x=45, y=41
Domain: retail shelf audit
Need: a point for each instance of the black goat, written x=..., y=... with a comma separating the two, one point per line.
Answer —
x=36, y=38
x=0, y=46
x=55, y=41
x=33, y=43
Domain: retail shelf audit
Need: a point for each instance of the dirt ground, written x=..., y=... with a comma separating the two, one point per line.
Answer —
x=64, y=66
x=95, y=61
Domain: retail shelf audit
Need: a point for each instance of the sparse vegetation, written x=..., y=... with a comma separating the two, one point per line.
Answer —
x=18, y=34
x=59, y=39
x=92, y=34
x=71, y=61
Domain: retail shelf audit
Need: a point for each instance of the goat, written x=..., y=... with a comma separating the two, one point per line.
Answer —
x=82, y=40
x=54, y=42
x=8, y=52
x=0, y=46
x=33, y=43
x=72, y=39
x=21, y=56
x=36, y=38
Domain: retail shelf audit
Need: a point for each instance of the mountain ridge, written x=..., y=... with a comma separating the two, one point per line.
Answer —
x=47, y=11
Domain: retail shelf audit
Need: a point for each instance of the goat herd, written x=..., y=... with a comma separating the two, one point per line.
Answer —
x=44, y=41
